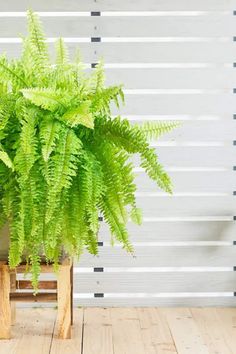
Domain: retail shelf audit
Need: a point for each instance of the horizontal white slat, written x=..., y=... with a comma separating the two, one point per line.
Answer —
x=206, y=25
x=144, y=301
x=111, y=5
x=155, y=282
x=178, y=156
x=162, y=256
x=202, y=131
x=176, y=231
x=160, y=302
x=217, y=52
x=170, y=52
x=209, y=78
x=208, y=104
x=195, y=182
x=187, y=206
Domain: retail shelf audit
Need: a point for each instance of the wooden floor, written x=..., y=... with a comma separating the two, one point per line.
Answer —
x=126, y=331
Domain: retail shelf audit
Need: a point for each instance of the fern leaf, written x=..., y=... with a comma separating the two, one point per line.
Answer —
x=155, y=130
x=61, y=52
x=97, y=78
x=46, y=98
x=49, y=134
x=8, y=73
x=136, y=215
x=4, y=157
x=63, y=168
x=80, y=116
x=38, y=47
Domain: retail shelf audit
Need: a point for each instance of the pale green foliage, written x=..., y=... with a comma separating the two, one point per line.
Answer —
x=155, y=130
x=6, y=159
x=64, y=160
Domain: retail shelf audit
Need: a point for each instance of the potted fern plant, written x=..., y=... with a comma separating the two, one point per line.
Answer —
x=63, y=158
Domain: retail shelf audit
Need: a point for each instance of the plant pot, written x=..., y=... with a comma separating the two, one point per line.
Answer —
x=4, y=242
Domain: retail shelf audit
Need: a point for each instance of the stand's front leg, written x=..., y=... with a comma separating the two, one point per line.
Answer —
x=5, y=306
x=64, y=289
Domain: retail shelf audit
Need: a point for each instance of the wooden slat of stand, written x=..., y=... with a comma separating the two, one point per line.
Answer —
x=31, y=297
x=43, y=284
x=64, y=295
x=13, y=289
x=5, y=307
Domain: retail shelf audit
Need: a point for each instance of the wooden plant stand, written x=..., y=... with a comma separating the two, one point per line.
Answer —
x=63, y=296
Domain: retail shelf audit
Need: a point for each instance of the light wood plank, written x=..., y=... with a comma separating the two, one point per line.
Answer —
x=156, y=334
x=127, y=336
x=73, y=345
x=211, y=329
x=97, y=331
x=227, y=318
x=5, y=307
x=36, y=328
x=185, y=332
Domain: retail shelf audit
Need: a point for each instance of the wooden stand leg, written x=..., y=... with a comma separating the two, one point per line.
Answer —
x=64, y=300
x=71, y=295
x=13, y=289
x=5, y=307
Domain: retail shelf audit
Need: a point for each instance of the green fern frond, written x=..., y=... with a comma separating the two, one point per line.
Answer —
x=10, y=75
x=136, y=215
x=49, y=135
x=61, y=52
x=155, y=130
x=47, y=98
x=103, y=98
x=80, y=115
x=36, y=38
x=4, y=157
x=62, y=169
x=97, y=78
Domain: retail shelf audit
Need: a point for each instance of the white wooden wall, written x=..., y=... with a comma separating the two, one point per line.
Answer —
x=176, y=59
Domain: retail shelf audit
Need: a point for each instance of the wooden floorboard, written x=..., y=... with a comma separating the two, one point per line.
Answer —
x=126, y=331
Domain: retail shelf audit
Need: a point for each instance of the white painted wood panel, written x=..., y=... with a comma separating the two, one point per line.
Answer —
x=111, y=5
x=195, y=182
x=186, y=206
x=202, y=132
x=161, y=256
x=185, y=59
x=200, y=104
x=159, y=282
x=172, y=78
x=183, y=231
x=195, y=157
x=214, y=53
x=205, y=25
x=144, y=300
